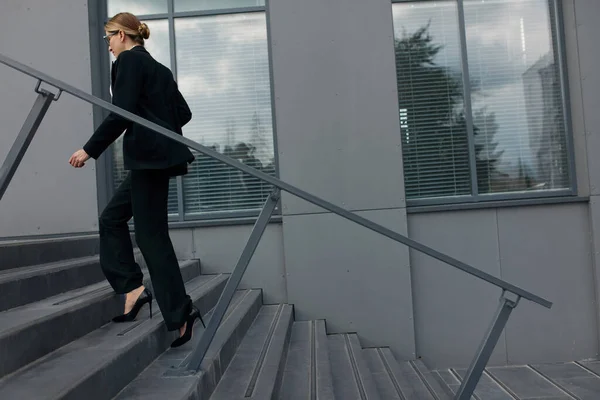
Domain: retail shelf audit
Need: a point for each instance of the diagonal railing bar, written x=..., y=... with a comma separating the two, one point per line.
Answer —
x=486, y=348
x=233, y=282
x=277, y=183
x=26, y=134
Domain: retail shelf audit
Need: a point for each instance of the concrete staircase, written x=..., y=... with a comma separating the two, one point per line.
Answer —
x=57, y=342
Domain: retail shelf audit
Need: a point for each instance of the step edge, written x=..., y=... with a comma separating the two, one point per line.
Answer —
x=78, y=273
x=361, y=368
x=269, y=317
x=16, y=241
x=213, y=369
x=265, y=386
x=137, y=340
x=79, y=303
x=94, y=299
x=324, y=376
x=439, y=390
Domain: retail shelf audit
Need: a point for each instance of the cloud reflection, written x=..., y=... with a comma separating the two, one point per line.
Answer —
x=505, y=39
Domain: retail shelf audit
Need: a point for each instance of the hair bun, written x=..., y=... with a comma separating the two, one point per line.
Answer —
x=144, y=31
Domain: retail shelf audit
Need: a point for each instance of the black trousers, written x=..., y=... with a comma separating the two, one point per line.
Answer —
x=143, y=195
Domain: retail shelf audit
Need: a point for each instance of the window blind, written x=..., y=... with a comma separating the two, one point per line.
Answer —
x=223, y=72
x=517, y=98
x=518, y=125
x=430, y=97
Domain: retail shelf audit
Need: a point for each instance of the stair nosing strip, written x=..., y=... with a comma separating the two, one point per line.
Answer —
x=105, y=288
x=29, y=271
x=225, y=319
x=424, y=380
x=313, y=360
x=580, y=365
x=231, y=309
x=460, y=381
x=133, y=326
x=10, y=242
x=353, y=363
x=204, y=283
x=501, y=384
x=263, y=353
x=559, y=387
x=388, y=369
x=8, y=275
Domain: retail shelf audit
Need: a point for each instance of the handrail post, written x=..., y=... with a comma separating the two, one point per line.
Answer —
x=26, y=134
x=486, y=348
x=233, y=282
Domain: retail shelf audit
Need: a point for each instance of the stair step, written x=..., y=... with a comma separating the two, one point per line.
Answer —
x=256, y=369
x=486, y=389
x=32, y=331
x=155, y=384
x=576, y=379
x=351, y=376
x=524, y=382
x=20, y=286
x=395, y=380
x=307, y=373
x=100, y=364
x=22, y=253
x=433, y=381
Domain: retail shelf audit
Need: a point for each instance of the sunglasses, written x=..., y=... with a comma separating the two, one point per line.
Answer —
x=107, y=37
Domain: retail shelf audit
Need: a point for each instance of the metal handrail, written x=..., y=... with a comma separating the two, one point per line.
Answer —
x=507, y=302
x=276, y=182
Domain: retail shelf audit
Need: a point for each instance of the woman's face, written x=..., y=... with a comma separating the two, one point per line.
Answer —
x=115, y=41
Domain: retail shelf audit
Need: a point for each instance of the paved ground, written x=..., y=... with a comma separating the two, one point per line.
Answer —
x=576, y=380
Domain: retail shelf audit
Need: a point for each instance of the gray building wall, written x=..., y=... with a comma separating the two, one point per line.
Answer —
x=544, y=249
x=219, y=248
x=47, y=195
x=581, y=25
x=331, y=101
x=547, y=249
x=338, y=136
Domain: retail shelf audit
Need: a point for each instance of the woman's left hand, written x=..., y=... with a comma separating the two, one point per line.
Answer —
x=79, y=158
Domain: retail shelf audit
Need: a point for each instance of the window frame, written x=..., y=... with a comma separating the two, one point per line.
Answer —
x=98, y=13
x=475, y=197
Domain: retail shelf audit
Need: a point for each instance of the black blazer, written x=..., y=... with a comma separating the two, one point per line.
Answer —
x=146, y=88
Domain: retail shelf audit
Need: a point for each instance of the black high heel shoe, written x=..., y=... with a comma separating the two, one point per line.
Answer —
x=187, y=335
x=145, y=297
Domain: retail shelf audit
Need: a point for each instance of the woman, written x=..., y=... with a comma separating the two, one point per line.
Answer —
x=146, y=88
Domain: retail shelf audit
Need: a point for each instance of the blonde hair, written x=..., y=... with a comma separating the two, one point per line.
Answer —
x=130, y=25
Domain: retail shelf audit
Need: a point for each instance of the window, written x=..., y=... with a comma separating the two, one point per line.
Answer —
x=500, y=130
x=202, y=5
x=231, y=99
x=221, y=64
x=137, y=7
